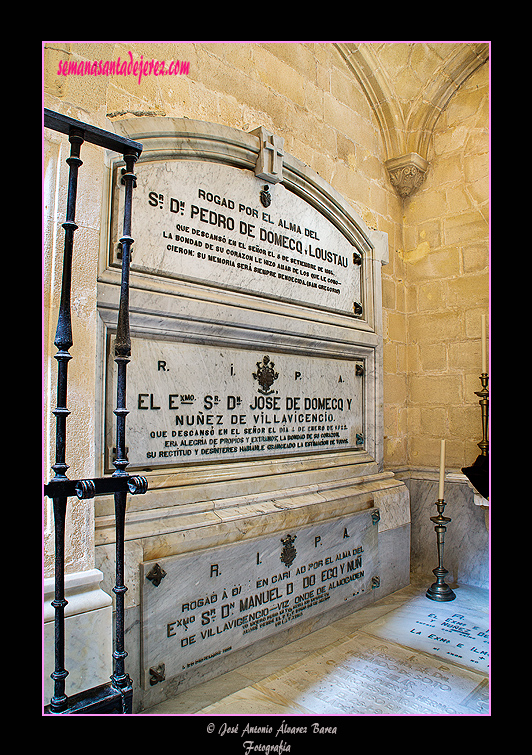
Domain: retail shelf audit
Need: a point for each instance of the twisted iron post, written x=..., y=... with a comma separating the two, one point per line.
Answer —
x=120, y=678
x=63, y=342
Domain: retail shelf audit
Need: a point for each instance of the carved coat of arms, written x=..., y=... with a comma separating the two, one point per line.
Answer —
x=288, y=552
x=265, y=196
x=266, y=375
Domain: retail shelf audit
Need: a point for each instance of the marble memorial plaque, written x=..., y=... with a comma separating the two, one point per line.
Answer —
x=202, y=606
x=453, y=631
x=217, y=224
x=196, y=403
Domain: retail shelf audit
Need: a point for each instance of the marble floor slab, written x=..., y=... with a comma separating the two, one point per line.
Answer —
x=370, y=663
x=456, y=631
x=361, y=676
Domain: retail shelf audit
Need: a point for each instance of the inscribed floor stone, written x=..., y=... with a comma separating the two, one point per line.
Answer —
x=371, y=663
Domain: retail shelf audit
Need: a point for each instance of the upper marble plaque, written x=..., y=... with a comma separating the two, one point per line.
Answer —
x=220, y=225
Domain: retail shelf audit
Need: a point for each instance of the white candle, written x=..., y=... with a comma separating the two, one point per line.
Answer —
x=442, y=470
x=484, y=346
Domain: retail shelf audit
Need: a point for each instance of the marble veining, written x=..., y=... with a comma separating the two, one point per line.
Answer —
x=196, y=608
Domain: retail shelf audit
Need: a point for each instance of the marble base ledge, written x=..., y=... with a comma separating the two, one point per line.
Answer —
x=88, y=633
x=193, y=535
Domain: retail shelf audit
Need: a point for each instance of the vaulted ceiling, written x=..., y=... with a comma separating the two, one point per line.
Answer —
x=408, y=84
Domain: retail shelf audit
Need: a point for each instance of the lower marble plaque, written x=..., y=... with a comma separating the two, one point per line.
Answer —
x=199, y=607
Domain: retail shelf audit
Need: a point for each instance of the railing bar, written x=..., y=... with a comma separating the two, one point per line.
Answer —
x=60, y=487
x=120, y=678
x=59, y=701
x=64, y=124
x=63, y=342
x=134, y=484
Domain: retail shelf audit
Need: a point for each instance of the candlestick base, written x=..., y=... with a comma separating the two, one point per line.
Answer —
x=440, y=590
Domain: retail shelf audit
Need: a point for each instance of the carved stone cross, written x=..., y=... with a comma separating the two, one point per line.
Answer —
x=269, y=164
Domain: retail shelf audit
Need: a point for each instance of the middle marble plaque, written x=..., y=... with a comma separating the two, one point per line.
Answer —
x=201, y=606
x=191, y=403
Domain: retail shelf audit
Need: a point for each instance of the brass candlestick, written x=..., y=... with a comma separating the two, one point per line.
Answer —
x=484, y=406
x=439, y=590
x=478, y=472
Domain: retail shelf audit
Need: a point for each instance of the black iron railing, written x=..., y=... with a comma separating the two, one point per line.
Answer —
x=117, y=695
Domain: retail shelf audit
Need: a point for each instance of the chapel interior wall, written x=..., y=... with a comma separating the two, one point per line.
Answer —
x=435, y=285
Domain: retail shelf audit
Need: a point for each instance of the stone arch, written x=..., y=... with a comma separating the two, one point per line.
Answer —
x=406, y=137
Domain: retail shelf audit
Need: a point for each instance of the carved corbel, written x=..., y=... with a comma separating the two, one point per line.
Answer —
x=407, y=173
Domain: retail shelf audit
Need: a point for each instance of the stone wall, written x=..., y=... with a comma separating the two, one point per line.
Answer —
x=435, y=285
x=301, y=92
x=445, y=262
